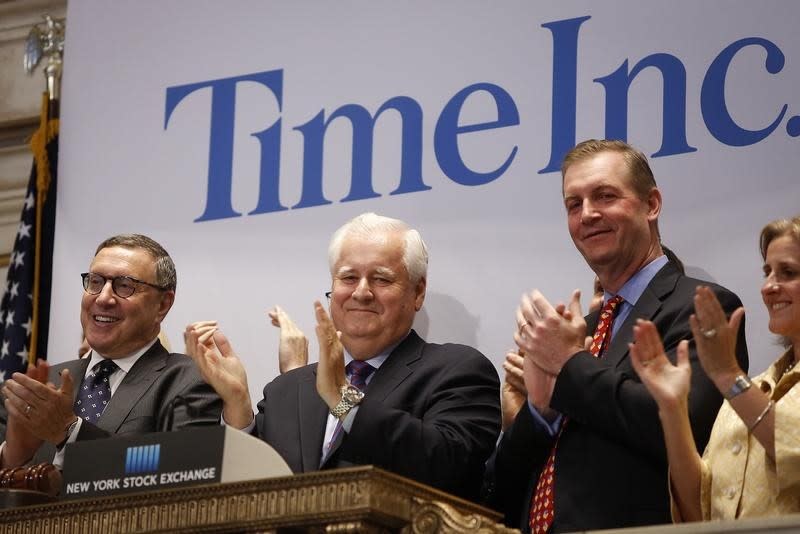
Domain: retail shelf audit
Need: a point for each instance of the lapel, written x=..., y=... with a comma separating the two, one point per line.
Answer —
x=395, y=369
x=133, y=387
x=648, y=305
x=77, y=368
x=312, y=418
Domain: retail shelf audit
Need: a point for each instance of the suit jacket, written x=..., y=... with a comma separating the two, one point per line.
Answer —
x=162, y=391
x=611, y=465
x=430, y=413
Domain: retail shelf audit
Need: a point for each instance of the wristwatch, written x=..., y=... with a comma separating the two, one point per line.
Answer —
x=741, y=384
x=70, y=430
x=351, y=396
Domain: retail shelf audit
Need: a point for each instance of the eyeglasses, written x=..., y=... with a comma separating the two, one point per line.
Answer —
x=328, y=294
x=123, y=286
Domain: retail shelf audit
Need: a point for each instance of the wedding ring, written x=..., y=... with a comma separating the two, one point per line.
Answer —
x=28, y=409
x=711, y=332
x=645, y=363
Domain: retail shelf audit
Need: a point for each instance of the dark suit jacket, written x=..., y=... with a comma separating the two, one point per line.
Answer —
x=611, y=467
x=430, y=413
x=145, y=399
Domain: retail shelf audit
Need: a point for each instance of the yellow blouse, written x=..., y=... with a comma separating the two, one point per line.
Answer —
x=738, y=478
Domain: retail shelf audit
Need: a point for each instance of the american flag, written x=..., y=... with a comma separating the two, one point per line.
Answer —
x=17, y=322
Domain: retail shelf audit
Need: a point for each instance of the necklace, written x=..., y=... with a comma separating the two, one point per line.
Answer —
x=789, y=368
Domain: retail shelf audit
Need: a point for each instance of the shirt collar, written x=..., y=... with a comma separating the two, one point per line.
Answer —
x=774, y=376
x=636, y=284
x=126, y=362
x=377, y=360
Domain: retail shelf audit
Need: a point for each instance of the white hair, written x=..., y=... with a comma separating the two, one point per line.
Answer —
x=415, y=253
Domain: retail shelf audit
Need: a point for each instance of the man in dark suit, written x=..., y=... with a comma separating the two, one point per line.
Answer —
x=129, y=289
x=380, y=394
x=589, y=416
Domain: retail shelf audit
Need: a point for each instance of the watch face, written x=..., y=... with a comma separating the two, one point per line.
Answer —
x=352, y=394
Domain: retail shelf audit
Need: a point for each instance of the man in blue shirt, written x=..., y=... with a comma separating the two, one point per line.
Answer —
x=587, y=450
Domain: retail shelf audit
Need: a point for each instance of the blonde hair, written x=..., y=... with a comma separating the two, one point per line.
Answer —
x=779, y=228
x=641, y=176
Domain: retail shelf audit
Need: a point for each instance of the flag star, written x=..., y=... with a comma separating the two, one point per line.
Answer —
x=10, y=318
x=28, y=326
x=24, y=230
x=23, y=354
x=19, y=261
x=29, y=201
x=14, y=289
x=5, y=349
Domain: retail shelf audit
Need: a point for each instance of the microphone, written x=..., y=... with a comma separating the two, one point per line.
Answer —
x=173, y=405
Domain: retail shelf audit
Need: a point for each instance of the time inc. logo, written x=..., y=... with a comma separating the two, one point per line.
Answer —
x=449, y=127
x=143, y=459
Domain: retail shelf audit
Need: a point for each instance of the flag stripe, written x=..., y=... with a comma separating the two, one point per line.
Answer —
x=18, y=324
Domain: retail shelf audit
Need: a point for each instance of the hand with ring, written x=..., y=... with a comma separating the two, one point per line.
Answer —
x=715, y=337
x=21, y=442
x=709, y=333
x=550, y=335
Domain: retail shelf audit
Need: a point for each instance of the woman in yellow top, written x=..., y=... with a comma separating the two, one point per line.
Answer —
x=751, y=466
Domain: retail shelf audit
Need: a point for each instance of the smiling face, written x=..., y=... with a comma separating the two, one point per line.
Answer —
x=117, y=327
x=373, y=302
x=612, y=227
x=781, y=289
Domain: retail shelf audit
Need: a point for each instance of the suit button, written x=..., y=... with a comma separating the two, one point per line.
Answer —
x=736, y=448
x=731, y=493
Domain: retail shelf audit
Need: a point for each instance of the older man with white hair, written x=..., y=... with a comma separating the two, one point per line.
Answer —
x=380, y=394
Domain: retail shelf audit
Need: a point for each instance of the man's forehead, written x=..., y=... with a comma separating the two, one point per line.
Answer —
x=346, y=268
x=380, y=252
x=587, y=187
x=124, y=258
x=592, y=177
x=386, y=244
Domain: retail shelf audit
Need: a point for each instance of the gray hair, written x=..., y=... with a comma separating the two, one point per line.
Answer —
x=415, y=253
x=166, y=276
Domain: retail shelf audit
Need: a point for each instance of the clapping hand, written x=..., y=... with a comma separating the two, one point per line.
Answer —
x=293, y=344
x=667, y=383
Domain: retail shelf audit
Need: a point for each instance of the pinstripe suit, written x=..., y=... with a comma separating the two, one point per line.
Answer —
x=143, y=402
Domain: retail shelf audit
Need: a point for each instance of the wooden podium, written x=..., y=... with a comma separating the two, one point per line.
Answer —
x=360, y=499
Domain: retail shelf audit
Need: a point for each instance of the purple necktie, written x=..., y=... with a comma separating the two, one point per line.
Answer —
x=359, y=371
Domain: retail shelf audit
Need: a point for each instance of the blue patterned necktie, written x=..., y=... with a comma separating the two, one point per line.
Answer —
x=95, y=392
